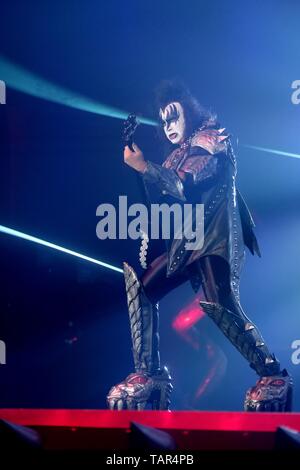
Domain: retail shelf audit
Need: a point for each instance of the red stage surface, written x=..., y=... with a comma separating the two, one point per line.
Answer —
x=86, y=429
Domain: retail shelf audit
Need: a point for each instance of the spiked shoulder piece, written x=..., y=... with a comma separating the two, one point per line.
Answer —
x=212, y=141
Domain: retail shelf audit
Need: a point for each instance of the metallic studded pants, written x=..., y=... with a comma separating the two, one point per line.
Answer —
x=222, y=306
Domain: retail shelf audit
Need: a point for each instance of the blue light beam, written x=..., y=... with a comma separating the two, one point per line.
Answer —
x=22, y=80
x=30, y=238
x=276, y=152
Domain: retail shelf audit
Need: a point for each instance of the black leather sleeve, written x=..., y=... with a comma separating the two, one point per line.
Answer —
x=166, y=181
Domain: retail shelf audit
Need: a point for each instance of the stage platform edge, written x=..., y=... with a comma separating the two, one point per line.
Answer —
x=192, y=430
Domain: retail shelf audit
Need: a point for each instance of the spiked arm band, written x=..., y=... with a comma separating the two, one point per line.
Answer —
x=166, y=180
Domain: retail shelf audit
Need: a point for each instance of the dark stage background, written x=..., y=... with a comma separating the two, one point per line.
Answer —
x=63, y=320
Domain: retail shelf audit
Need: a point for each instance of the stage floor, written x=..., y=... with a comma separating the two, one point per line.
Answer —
x=105, y=429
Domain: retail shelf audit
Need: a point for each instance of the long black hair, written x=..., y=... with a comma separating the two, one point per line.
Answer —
x=195, y=114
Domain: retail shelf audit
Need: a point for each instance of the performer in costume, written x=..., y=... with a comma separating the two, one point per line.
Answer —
x=201, y=169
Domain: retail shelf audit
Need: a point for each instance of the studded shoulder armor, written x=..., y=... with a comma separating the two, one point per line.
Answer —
x=212, y=141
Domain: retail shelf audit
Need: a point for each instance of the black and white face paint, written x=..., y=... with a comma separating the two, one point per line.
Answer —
x=174, y=123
